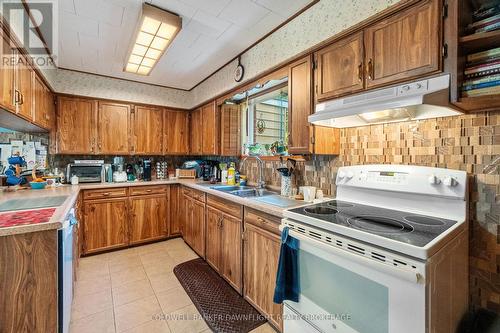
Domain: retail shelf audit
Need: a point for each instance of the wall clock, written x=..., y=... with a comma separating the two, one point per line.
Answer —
x=239, y=71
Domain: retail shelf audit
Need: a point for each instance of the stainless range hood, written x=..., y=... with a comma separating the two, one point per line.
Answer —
x=428, y=98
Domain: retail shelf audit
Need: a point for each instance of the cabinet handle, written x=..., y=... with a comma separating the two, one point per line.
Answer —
x=16, y=96
x=149, y=190
x=360, y=72
x=261, y=220
x=21, y=102
x=106, y=194
x=243, y=234
x=370, y=69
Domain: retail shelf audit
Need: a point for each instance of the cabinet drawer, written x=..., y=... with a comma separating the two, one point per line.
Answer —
x=105, y=193
x=195, y=194
x=149, y=189
x=263, y=220
x=226, y=206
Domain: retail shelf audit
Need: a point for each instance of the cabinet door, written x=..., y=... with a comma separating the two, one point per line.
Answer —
x=187, y=218
x=113, y=128
x=76, y=120
x=326, y=140
x=7, y=77
x=231, y=251
x=198, y=227
x=210, y=126
x=41, y=111
x=175, y=210
x=176, y=132
x=340, y=68
x=404, y=46
x=105, y=225
x=300, y=106
x=213, y=249
x=261, y=250
x=148, y=218
x=148, y=130
x=196, y=132
x=24, y=85
x=230, y=130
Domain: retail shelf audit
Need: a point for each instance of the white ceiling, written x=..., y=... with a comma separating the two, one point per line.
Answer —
x=94, y=35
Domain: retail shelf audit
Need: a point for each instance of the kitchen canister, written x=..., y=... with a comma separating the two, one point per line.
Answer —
x=286, y=186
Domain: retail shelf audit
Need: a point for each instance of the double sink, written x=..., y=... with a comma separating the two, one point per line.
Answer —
x=257, y=194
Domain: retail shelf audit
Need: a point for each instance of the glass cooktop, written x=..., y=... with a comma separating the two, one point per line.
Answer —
x=414, y=229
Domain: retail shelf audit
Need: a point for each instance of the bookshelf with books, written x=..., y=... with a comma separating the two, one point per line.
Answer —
x=475, y=59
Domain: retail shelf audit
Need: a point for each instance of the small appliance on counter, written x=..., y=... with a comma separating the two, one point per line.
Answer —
x=193, y=166
x=88, y=171
x=130, y=173
x=146, y=166
x=209, y=169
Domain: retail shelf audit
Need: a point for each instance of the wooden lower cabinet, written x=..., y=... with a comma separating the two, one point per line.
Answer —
x=261, y=249
x=213, y=243
x=148, y=218
x=197, y=226
x=175, y=201
x=106, y=224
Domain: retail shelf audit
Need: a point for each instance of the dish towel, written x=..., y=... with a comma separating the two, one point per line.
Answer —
x=287, y=277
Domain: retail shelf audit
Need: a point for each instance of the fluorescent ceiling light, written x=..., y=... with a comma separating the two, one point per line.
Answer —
x=155, y=31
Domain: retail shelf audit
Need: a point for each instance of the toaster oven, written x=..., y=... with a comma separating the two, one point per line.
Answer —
x=86, y=172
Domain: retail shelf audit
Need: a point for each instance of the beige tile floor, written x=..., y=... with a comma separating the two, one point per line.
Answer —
x=135, y=290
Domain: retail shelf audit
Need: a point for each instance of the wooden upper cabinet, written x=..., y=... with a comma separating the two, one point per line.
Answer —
x=113, y=128
x=300, y=106
x=175, y=132
x=76, y=119
x=210, y=129
x=230, y=130
x=43, y=110
x=405, y=45
x=340, y=68
x=148, y=130
x=7, y=98
x=196, y=132
x=24, y=85
x=148, y=218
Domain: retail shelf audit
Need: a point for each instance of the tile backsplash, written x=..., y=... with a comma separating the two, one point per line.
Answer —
x=468, y=142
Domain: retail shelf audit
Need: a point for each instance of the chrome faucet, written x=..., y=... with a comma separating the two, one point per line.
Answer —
x=261, y=184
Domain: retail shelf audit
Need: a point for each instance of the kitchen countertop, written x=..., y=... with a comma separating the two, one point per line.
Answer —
x=72, y=191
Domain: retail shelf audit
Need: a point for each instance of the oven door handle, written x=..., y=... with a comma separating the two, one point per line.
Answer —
x=410, y=276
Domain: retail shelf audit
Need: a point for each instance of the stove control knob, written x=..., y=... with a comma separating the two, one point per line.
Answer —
x=450, y=182
x=350, y=175
x=341, y=175
x=433, y=180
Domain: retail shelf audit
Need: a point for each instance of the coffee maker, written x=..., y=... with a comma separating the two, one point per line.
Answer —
x=146, y=166
x=209, y=170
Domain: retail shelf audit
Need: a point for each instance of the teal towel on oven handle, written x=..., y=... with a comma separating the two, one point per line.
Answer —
x=287, y=277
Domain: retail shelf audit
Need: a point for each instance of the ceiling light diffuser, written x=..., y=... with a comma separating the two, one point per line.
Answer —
x=155, y=31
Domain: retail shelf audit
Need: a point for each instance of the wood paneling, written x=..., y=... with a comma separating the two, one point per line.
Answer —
x=28, y=282
x=148, y=130
x=24, y=85
x=196, y=132
x=326, y=140
x=113, y=128
x=7, y=77
x=230, y=141
x=300, y=106
x=211, y=129
x=105, y=225
x=175, y=210
x=340, y=68
x=148, y=218
x=76, y=119
x=231, y=250
x=405, y=45
x=261, y=250
x=214, y=246
x=176, y=132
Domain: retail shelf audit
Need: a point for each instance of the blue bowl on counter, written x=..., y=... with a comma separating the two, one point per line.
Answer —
x=38, y=185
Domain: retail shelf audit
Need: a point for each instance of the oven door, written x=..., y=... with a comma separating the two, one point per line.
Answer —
x=347, y=292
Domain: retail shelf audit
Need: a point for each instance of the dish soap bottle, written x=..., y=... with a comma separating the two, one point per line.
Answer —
x=231, y=174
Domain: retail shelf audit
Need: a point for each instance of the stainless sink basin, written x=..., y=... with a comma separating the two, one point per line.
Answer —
x=242, y=191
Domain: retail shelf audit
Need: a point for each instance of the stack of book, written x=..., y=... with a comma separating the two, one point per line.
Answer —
x=482, y=74
x=486, y=18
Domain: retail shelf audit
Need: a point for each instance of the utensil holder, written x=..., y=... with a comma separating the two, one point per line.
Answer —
x=286, y=186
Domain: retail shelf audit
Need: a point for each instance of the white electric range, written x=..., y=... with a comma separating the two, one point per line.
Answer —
x=389, y=254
